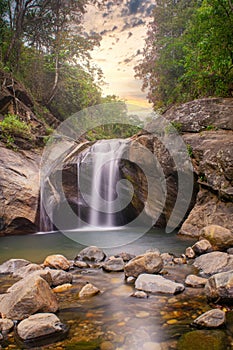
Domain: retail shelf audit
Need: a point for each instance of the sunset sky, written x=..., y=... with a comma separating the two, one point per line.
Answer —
x=123, y=28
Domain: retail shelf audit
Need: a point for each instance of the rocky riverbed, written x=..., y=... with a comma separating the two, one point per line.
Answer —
x=150, y=301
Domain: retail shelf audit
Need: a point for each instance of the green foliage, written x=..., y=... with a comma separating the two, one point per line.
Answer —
x=210, y=128
x=190, y=150
x=173, y=128
x=188, y=51
x=12, y=127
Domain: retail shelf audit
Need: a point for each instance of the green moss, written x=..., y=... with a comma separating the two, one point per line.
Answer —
x=202, y=340
x=12, y=125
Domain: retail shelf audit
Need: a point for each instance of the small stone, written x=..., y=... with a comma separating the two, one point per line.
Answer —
x=142, y=314
x=201, y=247
x=151, y=346
x=114, y=265
x=107, y=345
x=172, y=321
x=6, y=325
x=167, y=258
x=126, y=256
x=189, y=252
x=195, y=281
x=62, y=288
x=57, y=261
x=130, y=280
x=211, y=319
x=140, y=295
x=91, y=254
x=81, y=264
x=180, y=261
x=88, y=290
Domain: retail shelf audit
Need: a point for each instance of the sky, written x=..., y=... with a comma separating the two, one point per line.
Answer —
x=123, y=28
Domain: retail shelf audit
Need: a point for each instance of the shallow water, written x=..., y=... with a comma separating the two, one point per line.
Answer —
x=113, y=320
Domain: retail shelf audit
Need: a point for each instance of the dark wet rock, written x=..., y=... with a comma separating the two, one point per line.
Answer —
x=156, y=283
x=195, y=281
x=114, y=264
x=6, y=325
x=214, y=318
x=126, y=256
x=201, y=247
x=27, y=297
x=57, y=261
x=10, y=266
x=203, y=340
x=214, y=262
x=189, y=252
x=88, y=290
x=60, y=277
x=220, y=237
x=26, y=270
x=91, y=254
x=219, y=287
x=139, y=294
x=146, y=263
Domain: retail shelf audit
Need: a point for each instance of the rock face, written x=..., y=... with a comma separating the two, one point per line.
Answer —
x=219, y=237
x=146, y=263
x=27, y=297
x=19, y=193
x=219, y=287
x=157, y=284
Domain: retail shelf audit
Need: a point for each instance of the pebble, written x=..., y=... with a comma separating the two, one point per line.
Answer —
x=142, y=314
x=172, y=321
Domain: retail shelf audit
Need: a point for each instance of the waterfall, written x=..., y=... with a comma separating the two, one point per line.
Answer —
x=98, y=181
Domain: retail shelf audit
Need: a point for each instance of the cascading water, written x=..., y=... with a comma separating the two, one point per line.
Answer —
x=98, y=181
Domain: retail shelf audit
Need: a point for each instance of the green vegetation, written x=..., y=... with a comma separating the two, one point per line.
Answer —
x=189, y=51
x=12, y=127
x=190, y=150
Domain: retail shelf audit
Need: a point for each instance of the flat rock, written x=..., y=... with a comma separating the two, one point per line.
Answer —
x=149, y=262
x=195, y=281
x=57, y=261
x=91, y=254
x=214, y=262
x=219, y=287
x=10, y=266
x=88, y=290
x=211, y=319
x=29, y=295
x=39, y=325
x=201, y=247
x=114, y=264
x=157, y=284
x=220, y=237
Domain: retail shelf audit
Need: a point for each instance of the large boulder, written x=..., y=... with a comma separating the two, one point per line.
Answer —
x=214, y=262
x=12, y=265
x=220, y=237
x=219, y=287
x=147, y=263
x=57, y=261
x=157, y=284
x=28, y=296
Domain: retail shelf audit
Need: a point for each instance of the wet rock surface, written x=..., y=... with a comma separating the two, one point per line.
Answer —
x=219, y=287
x=157, y=284
x=149, y=262
x=214, y=262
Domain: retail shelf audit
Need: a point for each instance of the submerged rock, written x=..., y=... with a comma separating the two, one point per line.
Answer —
x=28, y=296
x=114, y=264
x=156, y=283
x=219, y=287
x=10, y=266
x=91, y=254
x=203, y=340
x=57, y=261
x=41, y=329
x=214, y=262
x=211, y=319
x=147, y=263
x=220, y=237
x=88, y=290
